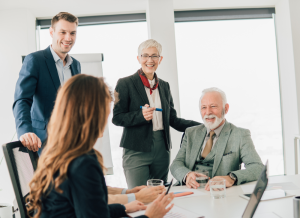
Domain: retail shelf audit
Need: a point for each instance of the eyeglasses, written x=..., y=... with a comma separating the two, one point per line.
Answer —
x=146, y=56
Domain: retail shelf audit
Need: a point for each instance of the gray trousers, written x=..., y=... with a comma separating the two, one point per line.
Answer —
x=141, y=166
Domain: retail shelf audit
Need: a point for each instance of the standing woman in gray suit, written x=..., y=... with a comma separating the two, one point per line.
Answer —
x=146, y=136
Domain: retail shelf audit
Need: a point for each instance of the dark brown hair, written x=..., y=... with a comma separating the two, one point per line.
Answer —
x=79, y=117
x=64, y=16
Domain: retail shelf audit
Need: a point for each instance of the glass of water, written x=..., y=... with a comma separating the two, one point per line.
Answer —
x=202, y=177
x=154, y=182
x=217, y=188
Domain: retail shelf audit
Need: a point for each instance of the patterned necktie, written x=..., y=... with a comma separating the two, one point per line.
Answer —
x=208, y=145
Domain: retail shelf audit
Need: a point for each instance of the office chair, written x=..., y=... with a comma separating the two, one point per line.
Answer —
x=21, y=164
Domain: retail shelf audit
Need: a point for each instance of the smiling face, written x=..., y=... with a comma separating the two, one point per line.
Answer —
x=63, y=37
x=149, y=65
x=212, y=110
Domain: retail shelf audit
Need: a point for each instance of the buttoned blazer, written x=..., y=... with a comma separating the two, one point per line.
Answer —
x=36, y=91
x=234, y=146
x=137, y=132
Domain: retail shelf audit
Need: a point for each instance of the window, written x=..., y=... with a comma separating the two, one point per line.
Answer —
x=119, y=44
x=239, y=57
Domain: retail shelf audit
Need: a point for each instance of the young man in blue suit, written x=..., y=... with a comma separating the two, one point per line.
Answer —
x=41, y=75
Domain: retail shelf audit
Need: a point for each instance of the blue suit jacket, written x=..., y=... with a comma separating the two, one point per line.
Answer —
x=36, y=91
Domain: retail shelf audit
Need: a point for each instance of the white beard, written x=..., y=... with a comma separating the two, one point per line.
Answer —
x=210, y=125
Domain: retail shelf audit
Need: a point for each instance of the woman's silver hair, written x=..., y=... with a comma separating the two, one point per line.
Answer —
x=150, y=43
x=214, y=89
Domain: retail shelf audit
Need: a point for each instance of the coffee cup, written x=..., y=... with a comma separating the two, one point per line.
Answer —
x=5, y=211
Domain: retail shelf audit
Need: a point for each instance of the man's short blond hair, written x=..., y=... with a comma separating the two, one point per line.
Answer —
x=64, y=16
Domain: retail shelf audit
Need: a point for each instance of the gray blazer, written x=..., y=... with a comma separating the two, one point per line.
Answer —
x=231, y=139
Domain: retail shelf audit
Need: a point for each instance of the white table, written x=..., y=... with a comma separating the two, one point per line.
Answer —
x=233, y=206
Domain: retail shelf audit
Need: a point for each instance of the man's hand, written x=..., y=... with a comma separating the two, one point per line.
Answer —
x=31, y=141
x=135, y=189
x=148, y=113
x=190, y=180
x=147, y=195
x=228, y=182
x=134, y=206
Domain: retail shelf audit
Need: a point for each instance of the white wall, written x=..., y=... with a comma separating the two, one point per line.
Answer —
x=17, y=32
x=17, y=38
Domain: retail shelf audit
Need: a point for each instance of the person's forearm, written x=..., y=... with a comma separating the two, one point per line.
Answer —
x=114, y=191
x=129, y=119
x=23, y=117
x=179, y=171
x=251, y=173
x=117, y=199
x=181, y=124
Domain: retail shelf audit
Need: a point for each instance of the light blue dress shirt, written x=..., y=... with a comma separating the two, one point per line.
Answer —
x=64, y=72
x=131, y=197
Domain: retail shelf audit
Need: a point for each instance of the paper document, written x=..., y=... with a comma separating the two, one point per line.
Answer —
x=284, y=185
x=248, y=189
x=266, y=215
x=175, y=212
x=271, y=194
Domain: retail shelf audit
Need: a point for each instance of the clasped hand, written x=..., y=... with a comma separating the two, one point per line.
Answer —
x=192, y=183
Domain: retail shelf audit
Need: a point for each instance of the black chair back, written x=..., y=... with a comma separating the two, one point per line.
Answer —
x=21, y=164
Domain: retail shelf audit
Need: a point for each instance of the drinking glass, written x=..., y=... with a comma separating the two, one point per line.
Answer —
x=154, y=182
x=217, y=188
x=202, y=177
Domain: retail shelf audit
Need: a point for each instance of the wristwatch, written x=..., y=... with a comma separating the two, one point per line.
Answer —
x=233, y=177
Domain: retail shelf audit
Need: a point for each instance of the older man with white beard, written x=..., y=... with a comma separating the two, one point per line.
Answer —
x=217, y=146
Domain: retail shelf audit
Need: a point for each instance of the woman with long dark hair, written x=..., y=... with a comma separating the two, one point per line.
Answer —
x=69, y=179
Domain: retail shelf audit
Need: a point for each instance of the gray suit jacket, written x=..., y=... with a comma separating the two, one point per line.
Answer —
x=231, y=139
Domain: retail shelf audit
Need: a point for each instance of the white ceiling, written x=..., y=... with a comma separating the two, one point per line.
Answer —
x=47, y=8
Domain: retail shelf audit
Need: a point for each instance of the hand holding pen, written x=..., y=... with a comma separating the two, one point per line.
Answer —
x=148, y=113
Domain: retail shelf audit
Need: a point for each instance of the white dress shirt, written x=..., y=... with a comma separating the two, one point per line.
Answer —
x=64, y=72
x=154, y=101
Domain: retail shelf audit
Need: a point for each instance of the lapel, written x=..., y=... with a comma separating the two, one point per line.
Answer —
x=74, y=70
x=220, y=146
x=140, y=87
x=52, y=68
x=197, y=145
x=164, y=103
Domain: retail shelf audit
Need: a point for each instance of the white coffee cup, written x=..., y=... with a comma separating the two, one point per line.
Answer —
x=5, y=211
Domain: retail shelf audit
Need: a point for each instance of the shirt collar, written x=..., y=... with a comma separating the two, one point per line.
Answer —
x=151, y=82
x=217, y=131
x=57, y=58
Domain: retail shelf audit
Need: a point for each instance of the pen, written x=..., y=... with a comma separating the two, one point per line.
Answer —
x=169, y=187
x=157, y=109
x=177, y=193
